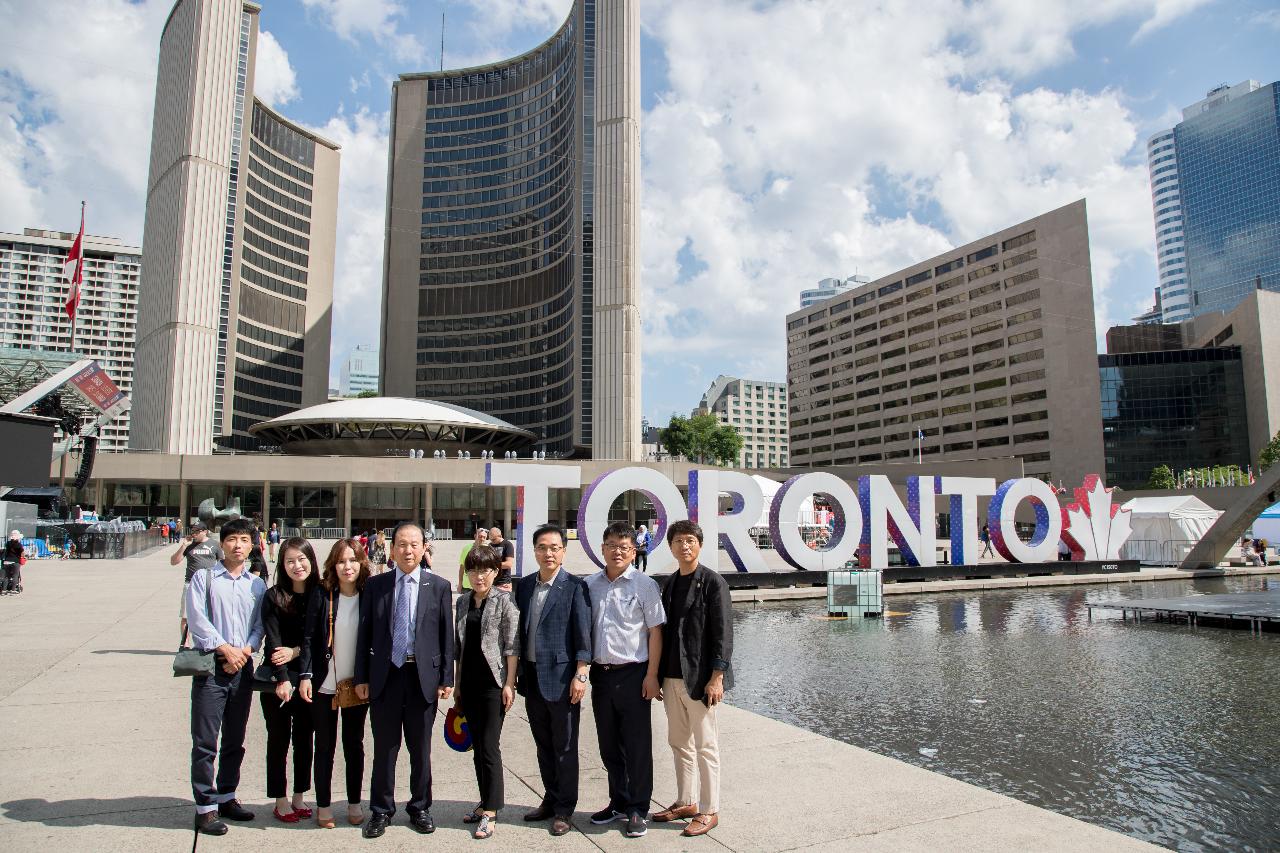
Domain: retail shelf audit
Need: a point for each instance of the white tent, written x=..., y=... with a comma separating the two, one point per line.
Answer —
x=1268, y=525
x=769, y=488
x=1164, y=529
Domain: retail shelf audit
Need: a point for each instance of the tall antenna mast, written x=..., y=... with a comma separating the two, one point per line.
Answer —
x=442, y=41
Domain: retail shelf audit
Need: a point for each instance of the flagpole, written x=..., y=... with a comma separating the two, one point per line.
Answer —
x=75, y=284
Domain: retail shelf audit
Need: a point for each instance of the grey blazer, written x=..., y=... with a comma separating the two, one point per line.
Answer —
x=499, y=630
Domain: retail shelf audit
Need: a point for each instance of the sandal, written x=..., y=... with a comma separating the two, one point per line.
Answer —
x=485, y=828
x=474, y=815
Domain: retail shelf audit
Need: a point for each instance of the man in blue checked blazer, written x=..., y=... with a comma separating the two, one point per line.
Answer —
x=555, y=635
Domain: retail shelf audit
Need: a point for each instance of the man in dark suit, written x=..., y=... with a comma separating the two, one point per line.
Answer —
x=555, y=635
x=404, y=666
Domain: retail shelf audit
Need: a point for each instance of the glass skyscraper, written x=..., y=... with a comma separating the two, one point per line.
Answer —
x=1215, y=180
x=510, y=283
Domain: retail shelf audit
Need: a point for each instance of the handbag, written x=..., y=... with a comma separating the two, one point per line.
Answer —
x=344, y=695
x=196, y=663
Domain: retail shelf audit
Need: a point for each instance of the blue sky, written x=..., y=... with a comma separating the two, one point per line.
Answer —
x=784, y=141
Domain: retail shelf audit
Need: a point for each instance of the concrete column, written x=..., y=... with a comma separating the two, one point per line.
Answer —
x=507, y=503
x=346, y=508
x=428, y=495
x=184, y=502
x=266, y=504
x=97, y=502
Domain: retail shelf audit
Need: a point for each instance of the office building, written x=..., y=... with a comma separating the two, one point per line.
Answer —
x=359, y=372
x=511, y=267
x=757, y=410
x=1215, y=187
x=34, y=288
x=988, y=350
x=829, y=287
x=237, y=270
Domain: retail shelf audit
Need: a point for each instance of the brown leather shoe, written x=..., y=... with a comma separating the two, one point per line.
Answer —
x=675, y=812
x=701, y=824
x=560, y=826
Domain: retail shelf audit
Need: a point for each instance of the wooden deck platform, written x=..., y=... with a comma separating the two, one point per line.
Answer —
x=1260, y=610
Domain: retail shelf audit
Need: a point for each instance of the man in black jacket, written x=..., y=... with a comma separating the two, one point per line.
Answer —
x=697, y=646
x=404, y=666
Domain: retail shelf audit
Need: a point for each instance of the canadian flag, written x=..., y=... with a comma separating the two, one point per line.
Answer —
x=73, y=269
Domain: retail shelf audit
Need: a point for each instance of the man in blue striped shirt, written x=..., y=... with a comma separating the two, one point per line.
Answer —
x=224, y=613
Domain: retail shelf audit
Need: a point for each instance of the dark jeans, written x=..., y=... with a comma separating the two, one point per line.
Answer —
x=625, y=731
x=401, y=710
x=325, y=719
x=290, y=721
x=482, y=706
x=642, y=560
x=12, y=577
x=220, y=704
x=555, y=733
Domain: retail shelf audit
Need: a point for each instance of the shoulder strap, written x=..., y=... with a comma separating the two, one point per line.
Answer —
x=331, y=621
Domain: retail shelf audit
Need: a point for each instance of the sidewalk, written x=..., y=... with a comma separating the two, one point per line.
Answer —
x=95, y=749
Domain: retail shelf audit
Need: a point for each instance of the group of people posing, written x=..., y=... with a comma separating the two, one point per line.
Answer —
x=342, y=645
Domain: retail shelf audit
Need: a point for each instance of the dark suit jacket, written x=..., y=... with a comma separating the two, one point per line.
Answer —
x=705, y=631
x=563, y=633
x=433, y=637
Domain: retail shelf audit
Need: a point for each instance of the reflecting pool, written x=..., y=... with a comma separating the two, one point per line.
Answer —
x=1164, y=732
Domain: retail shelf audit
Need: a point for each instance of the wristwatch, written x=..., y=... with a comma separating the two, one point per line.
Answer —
x=582, y=676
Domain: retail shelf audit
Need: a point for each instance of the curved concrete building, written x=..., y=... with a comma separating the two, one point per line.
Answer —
x=511, y=268
x=237, y=255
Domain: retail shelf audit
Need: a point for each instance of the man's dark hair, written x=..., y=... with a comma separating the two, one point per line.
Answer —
x=620, y=530
x=684, y=528
x=551, y=528
x=405, y=524
x=233, y=528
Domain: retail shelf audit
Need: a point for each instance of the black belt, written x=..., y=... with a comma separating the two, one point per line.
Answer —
x=611, y=666
x=410, y=659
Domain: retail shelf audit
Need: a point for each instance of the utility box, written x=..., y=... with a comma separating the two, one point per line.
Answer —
x=855, y=593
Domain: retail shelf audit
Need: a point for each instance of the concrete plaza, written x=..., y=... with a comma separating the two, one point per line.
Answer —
x=95, y=756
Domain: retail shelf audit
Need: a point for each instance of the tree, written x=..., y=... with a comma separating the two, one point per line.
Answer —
x=364, y=394
x=1161, y=478
x=725, y=445
x=1270, y=454
x=675, y=437
x=701, y=438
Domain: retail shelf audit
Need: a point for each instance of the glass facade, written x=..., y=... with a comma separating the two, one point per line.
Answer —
x=1181, y=408
x=504, y=299
x=1228, y=171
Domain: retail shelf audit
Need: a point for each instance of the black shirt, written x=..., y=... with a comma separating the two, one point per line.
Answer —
x=201, y=556
x=475, y=669
x=283, y=629
x=670, y=667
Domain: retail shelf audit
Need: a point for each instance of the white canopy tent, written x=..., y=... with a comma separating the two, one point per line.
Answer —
x=1268, y=525
x=769, y=488
x=1164, y=529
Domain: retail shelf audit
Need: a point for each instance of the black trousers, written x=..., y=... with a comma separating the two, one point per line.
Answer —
x=625, y=731
x=12, y=576
x=324, y=717
x=401, y=710
x=287, y=722
x=220, y=705
x=642, y=559
x=555, y=733
x=482, y=706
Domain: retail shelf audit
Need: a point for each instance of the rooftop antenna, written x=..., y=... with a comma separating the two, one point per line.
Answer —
x=441, y=40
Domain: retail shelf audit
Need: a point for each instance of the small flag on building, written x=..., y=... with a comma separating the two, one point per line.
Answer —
x=73, y=268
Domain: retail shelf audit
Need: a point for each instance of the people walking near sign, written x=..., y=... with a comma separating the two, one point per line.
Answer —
x=273, y=539
x=985, y=536
x=643, y=541
x=697, y=647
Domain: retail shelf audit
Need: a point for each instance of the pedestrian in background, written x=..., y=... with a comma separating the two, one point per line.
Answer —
x=327, y=678
x=287, y=715
x=14, y=555
x=487, y=625
x=200, y=553
x=378, y=554
x=480, y=538
x=643, y=541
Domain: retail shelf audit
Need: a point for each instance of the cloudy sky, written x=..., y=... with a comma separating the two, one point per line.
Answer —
x=784, y=141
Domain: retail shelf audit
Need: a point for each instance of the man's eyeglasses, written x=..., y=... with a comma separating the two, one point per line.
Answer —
x=548, y=549
x=620, y=549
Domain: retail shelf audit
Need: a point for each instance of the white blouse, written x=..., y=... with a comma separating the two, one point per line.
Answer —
x=343, y=663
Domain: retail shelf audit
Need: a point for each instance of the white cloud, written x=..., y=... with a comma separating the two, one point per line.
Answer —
x=500, y=18
x=378, y=20
x=827, y=153
x=274, y=80
x=362, y=194
x=1268, y=18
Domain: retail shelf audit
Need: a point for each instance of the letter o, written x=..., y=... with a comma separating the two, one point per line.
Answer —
x=593, y=512
x=785, y=532
x=1043, y=547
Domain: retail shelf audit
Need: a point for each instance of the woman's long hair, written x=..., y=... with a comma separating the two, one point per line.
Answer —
x=282, y=594
x=330, y=579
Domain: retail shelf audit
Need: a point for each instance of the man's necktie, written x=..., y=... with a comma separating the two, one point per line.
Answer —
x=401, y=627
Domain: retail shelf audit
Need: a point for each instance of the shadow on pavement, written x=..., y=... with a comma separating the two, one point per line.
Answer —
x=124, y=811
x=155, y=652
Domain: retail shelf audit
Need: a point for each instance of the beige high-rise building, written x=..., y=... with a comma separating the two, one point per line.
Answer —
x=757, y=410
x=511, y=269
x=985, y=351
x=237, y=263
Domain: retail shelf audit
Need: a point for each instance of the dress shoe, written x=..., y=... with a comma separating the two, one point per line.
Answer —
x=542, y=812
x=422, y=822
x=701, y=824
x=560, y=826
x=234, y=811
x=675, y=812
x=287, y=817
x=302, y=813
x=208, y=823
x=377, y=825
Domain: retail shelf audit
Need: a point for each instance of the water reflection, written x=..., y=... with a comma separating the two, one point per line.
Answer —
x=1160, y=731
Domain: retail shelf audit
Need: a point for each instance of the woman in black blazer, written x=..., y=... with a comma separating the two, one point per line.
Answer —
x=287, y=716
x=328, y=660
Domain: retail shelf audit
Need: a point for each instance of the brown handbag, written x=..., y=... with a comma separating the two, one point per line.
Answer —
x=345, y=694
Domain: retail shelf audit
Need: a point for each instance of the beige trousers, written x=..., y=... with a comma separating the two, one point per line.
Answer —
x=694, y=736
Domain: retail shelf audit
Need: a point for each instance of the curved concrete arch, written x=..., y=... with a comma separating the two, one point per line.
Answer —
x=1226, y=531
